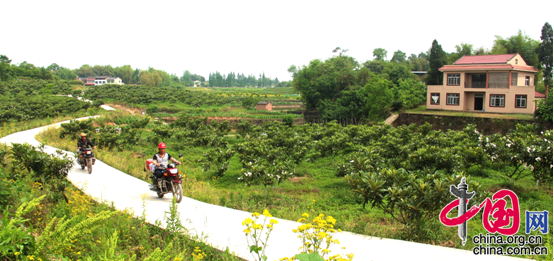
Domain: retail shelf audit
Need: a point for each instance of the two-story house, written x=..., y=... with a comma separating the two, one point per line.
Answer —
x=501, y=83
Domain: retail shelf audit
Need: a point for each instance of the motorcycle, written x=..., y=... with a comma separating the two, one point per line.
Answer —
x=170, y=182
x=86, y=159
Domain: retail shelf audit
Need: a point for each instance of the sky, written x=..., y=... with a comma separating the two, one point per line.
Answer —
x=250, y=37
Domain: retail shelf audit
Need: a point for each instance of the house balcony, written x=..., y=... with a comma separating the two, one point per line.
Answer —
x=475, y=84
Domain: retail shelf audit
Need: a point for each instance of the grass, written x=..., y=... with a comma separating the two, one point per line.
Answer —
x=316, y=190
x=423, y=110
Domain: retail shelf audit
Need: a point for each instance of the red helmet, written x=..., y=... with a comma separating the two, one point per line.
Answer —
x=161, y=146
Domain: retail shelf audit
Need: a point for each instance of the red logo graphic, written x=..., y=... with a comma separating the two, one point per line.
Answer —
x=502, y=217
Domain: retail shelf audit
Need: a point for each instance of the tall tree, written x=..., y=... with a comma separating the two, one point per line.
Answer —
x=4, y=68
x=520, y=43
x=545, y=54
x=379, y=97
x=398, y=57
x=380, y=54
x=437, y=59
x=461, y=50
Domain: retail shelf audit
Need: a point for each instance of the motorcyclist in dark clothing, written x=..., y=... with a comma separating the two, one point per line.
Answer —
x=84, y=143
x=161, y=160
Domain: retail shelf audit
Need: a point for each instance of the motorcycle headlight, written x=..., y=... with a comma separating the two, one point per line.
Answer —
x=88, y=152
x=173, y=171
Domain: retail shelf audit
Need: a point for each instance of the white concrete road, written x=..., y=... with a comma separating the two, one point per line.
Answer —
x=222, y=226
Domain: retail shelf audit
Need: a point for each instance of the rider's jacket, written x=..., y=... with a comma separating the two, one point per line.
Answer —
x=164, y=161
x=84, y=144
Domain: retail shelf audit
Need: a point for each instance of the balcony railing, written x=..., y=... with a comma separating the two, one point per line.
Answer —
x=475, y=84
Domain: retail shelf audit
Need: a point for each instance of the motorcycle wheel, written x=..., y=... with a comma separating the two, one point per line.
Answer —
x=160, y=195
x=177, y=192
x=82, y=166
x=89, y=166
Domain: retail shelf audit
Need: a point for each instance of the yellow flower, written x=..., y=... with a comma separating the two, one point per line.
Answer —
x=78, y=253
x=16, y=254
x=256, y=214
x=273, y=221
x=269, y=226
x=247, y=231
x=266, y=213
x=257, y=226
x=306, y=215
x=31, y=257
x=247, y=221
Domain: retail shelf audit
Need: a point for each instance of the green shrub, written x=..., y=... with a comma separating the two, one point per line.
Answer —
x=477, y=171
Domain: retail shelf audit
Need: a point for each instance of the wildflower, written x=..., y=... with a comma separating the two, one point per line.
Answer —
x=273, y=221
x=256, y=214
x=538, y=158
x=247, y=221
x=266, y=213
x=16, y=253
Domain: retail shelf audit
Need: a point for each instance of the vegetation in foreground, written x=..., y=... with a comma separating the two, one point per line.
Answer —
x=218, y=168
x=45, y=218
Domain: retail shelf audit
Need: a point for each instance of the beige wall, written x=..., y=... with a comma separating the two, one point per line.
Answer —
x=469, y=105
x=520, y=60
x=467, y=98
x=521, y=78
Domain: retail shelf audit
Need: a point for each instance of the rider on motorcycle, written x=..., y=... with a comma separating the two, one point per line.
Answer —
x=84, y=143
x=161, y=160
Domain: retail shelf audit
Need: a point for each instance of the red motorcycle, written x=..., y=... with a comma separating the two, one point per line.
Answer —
x=86, y=159
x=170, y=182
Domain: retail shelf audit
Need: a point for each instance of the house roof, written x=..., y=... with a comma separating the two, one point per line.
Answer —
x=485, y=59
x=539, y=95
x=112, y=78
x=263, y=103
x=485, y=67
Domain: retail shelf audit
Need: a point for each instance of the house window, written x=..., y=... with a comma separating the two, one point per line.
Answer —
x=514, y=79
x=453, y=99
x=516, y=61
x=527, y=80
x=435, y=98
x=497, y=100
x=521, y=101
x=454, y=79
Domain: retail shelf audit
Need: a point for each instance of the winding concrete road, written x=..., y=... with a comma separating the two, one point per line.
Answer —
x=222, y=227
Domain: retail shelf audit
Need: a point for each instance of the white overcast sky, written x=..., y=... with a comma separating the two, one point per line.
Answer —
x=249, y=37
